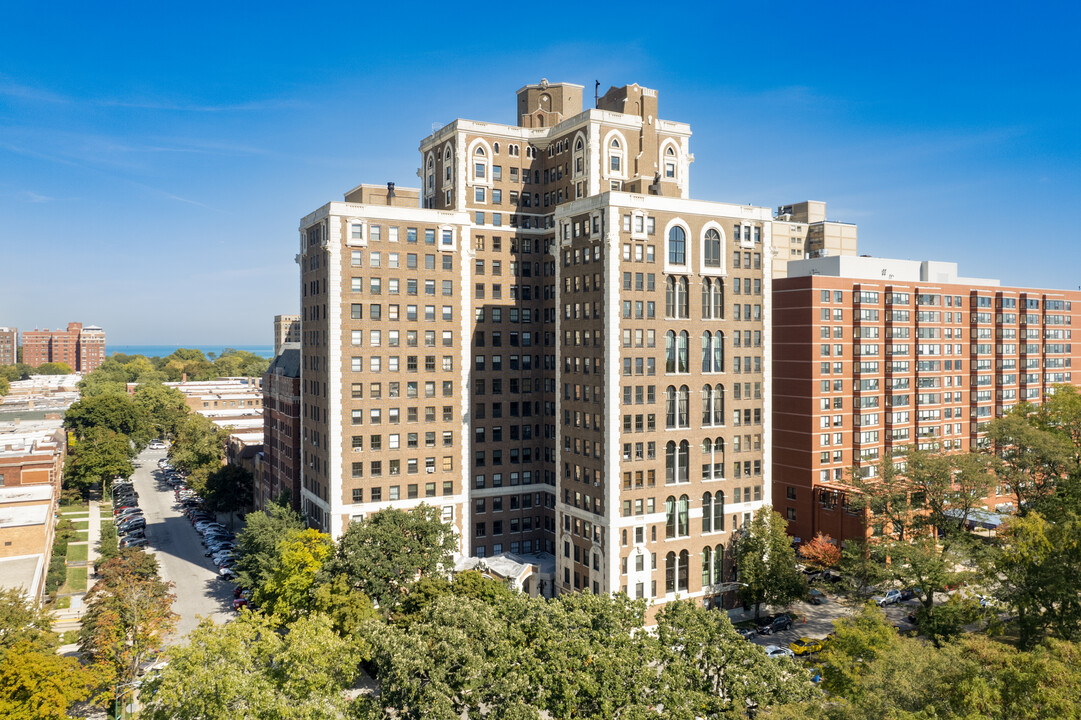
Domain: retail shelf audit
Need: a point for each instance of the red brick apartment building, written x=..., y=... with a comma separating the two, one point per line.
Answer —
x=874, y=355
x=82, y=348
x=281, y=430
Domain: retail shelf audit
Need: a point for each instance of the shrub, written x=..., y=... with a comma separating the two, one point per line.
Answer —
x=57, y=574
x=107, y=548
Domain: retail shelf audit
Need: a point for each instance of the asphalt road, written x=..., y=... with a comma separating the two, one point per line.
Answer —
x=198, y=589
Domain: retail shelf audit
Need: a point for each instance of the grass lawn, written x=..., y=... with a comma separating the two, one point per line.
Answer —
x=81, y=524
x=77, y=552
x=82, y=536
x=76, y=582
x=81, y=507
x=75, y=514
x=63, y=603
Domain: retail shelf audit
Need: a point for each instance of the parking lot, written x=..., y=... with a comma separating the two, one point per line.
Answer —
x=816, y=621
x=199, y=590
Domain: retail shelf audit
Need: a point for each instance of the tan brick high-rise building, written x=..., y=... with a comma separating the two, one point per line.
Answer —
x=551, y=342
x=9, y=345
x=873, y=356
x=81, y=348
x=286, y=330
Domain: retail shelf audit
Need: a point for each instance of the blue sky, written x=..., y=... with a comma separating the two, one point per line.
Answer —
x=155, y=159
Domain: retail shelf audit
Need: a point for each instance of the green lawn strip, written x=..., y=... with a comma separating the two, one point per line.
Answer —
x=63, y=603
x=81, y=524
x=82, y=536
x=76, y=582
x=75, y=514
x=77, y=552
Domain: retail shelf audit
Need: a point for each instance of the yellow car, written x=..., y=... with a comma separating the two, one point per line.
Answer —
x=805, y=646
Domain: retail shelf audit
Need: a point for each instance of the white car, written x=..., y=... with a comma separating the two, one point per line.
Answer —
x=889, y=598
x=776, y=651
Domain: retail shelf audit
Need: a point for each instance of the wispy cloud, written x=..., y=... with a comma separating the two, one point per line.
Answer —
x=10, y=88
x=253, y=106
x=31, y=196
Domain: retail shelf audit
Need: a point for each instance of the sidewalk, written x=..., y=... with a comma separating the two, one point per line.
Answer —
x=70, y=618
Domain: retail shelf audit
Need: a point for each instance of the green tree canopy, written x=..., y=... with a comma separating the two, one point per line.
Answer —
x=118, y=413
x=286, y=594
x=128, y=616
x=384, y=554
x=1031, y=461
x=99, y=456
x=766, y=562
x=259, y=541
x=248, y=668
x=53, y=368
x=165, y=408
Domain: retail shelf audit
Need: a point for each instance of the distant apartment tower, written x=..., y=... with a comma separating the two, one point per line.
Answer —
x=286, y=330
x=9, y=345
x=91, y=348
x=801, y=230
x=557, y=347
x=81, y=348
x=873, y=356
x=281, y=431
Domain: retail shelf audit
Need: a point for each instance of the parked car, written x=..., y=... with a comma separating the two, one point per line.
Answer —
x=129, y=513
x=777, y=624
x=131, y=524
x=776, y=651
x=746, y=633
x=830, y=576
x=888, y=598
x=136, y=533
x=817, y=597
x=805, y=646
x=910, y=594
x=129, y=541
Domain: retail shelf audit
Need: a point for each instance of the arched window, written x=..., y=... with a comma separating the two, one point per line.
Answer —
x=448, y=165
x=675, y=297
x=670, y=162
x=676, y=462
x=480, y=164
x=718, y=404
x=683, y=515
x=707, y=406
x=707, y=298
x=683, y=418
x=683, y=352
x=579, y=145
x=615, y=157
x=707, y=566
x=712, y=352
x=677, y=246
x=712, y=248
x=670, y=407
x=713, y=512
x=718, y=563
x=670, y=572
x=495, y=148
x=670, y=515
x=431, y=172
x=670, y=351
x=684, y=462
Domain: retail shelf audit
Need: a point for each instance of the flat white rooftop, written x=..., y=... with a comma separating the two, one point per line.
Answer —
x=26, y=493
x=864, y=267
x=23, y=515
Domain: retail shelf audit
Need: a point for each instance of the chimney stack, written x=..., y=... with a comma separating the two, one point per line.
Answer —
x=390, y=193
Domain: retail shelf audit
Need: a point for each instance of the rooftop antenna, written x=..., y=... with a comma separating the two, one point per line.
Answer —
x=596, y=94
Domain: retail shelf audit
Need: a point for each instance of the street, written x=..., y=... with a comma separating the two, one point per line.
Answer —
x=176, y=544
